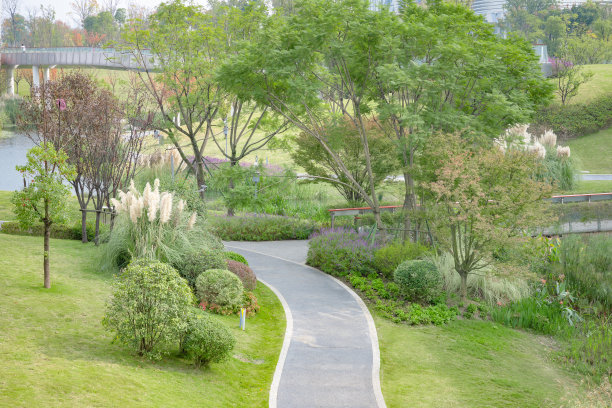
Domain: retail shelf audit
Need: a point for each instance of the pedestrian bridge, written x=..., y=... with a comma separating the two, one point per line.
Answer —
x=46, y=58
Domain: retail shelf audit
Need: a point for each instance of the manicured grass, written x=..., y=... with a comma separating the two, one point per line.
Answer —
x=599, y=85
x=73, y=214
x=585, y=187
x=468, y=364
x=6, y=207
x=54, y=351
x=594, y=152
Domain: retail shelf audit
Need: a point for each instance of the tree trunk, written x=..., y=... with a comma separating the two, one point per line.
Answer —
x=230, y=210
x=84, y=226
x=97, y=238
x=47, y=235
x=463, y=286
x=200, y=179
x=409, y=204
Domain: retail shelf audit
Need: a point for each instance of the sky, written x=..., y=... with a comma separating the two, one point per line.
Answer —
x=63, y=10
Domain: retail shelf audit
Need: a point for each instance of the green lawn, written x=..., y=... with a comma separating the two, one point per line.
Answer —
x=54, y=351
x=72, y=210
x=599, y=85
x=468, y=364
x=594, y=152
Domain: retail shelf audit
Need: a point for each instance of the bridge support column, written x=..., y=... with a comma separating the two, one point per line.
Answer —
x=46, y=74
x=35, y=76
x=11, y=80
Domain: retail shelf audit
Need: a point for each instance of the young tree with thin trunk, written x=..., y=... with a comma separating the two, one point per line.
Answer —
x=44, y=199
x=480, y=198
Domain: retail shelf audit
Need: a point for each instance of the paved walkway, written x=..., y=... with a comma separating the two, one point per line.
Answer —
x=330, y=355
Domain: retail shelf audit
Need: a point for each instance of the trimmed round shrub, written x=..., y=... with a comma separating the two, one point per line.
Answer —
x=419, y=280
x=147, y=308
x=246, y=274
x=193, y=264
x=234, y=256
x=220, y=287
x=207, y=340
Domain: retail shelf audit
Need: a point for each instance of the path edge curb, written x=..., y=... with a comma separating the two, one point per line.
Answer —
x=380, y=400
x=280, y=365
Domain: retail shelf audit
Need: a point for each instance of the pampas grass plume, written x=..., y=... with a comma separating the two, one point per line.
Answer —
x=191, y=221
x=165, y=208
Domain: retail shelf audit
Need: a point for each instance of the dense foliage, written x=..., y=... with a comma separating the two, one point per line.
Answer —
x=153, y=225
x=234, y=256
x=246, y=274
x=418, y=280
x=341, y=251
x=192, y=264
x=221, y=288
x=260, y=228
x=59, y=231
x=147, y=308
x=575, y=120
x=388, y=257
x=207, y=340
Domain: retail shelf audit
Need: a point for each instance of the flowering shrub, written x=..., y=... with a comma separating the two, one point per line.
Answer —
x=557, y=168
x=341, y=251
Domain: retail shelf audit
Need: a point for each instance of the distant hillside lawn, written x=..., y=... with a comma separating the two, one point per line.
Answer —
x=599, y=85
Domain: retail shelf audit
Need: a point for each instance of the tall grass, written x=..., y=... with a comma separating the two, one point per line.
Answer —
x=586, y=263
x=152, y=225
x=482, y=284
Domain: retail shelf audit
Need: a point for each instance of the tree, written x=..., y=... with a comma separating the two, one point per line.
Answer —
x=344, y=139
x=44, y=198
x=90, y=131
x=446, y=71
x=82, y=9
x=10, y=8
x=481, y=198
x=569, y=79
x=188, y=45
x=310, y=76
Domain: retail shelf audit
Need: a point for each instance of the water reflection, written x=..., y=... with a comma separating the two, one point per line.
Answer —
x=13, y=151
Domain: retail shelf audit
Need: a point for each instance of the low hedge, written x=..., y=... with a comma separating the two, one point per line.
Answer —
x=261, y=228
x=575, y=120
x=59, y=231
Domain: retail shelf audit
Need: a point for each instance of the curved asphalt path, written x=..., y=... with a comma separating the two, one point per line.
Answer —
x=330, y=355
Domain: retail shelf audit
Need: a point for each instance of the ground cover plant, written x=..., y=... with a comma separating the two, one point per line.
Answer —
x=58, y=334
x=571, y=301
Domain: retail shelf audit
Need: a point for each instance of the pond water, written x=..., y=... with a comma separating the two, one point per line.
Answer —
x=13, y=151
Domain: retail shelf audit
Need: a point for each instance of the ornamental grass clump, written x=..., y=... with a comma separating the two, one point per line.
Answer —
x=342, y=251
x=153, y=225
